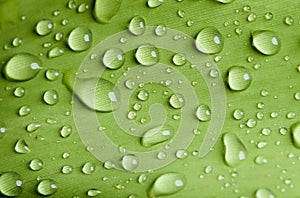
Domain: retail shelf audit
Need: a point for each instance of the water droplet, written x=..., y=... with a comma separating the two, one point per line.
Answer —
x=239, y=78
x=203, y=113
x=260, y=160
x=225, y=1
x=264, y=193
x=208, y=169
x=32, y=127
x=52, y=74
x=55, y=52
x=161, y=30
x=266, y=42
x=297, y=96
x=238, y=114
x=261, y=144
x=246, y=8
x=47, y=187
x=83, y=7
x=142, y=178
x=65, y=22
x=179, y=59
x=167, y=184
x=181, y=154
x=283, y=130
x=67, y=169
x=24, y=111
x=19, y=92
x=156, y=136
x=161, y=155
x=93, y=192
x=235, y=151
x=251, y=123
x=143, y=95
x=71, y=4
x=130, y=84
x=17, y=41
x=131, y=115
x=65, y=131
x=209, y=40
x=100, y=95
x=251, y=17
x=176, y=101
x=36, y=164
x=147, y=55
x=44, y=27
x=181, y=13
x=266, y=131
x=289, y=20
x=88, y=168
x=56, y=13
x=105, y=10
x=268, y=16
x=21, y=146
x=130, y=162
x=109, y=165
x=290, y=115
x=50, y=97
x=80, y=39
x=2, y=129
x=113, y=58
x=59, y=36
x=154, y=3
x=295, y=130
x=11, y=184
x=137, y=25
x=22, y=67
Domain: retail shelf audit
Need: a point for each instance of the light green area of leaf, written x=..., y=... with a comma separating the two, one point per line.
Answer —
x=276, y=74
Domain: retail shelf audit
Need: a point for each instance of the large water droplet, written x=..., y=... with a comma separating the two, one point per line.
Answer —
x=130, y=162
x=113, y=58
x=80, y=39
x=147, y=55
x=44, y=27
x=264, y=193
x=104, y=10
x=24, y=111
x=235, y=151
x=11, y=184
x=239, y=78
x=209, y=40
x=266, y=42
x=36, y=164
x=93, y=192
x=19, y=92
x=167, y=184
x=155, y=136
x=295, y=130
x=21, y=146
x=100, y=95
x=154, y=3
x=50, y=97
x=88, y=168
x=137, y=25
x=203, y=113
x=46, y=187
x=176, y=101
x=22, y=67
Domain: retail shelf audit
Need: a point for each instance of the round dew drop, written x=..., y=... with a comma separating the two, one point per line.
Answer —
x=80, y=39
x=239, y=78
x=113, y=58
x=176, y=101
x=11, y=184
x=147, y=55
x=266, y=42
x=137, y=25
x=130, y=162
x=209, y=41
x=50, y=97
x=46, y=187
x=203, y=113
x=44, y=27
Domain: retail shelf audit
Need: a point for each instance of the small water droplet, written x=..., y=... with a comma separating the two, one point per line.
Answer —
x=44, y=27
x=155, y=136
x=52, y=74
x=137, y=25
x=225, y=1
x=71, y=4
x=209, y=40
x=36, y=164
x=251, y=123
x=179, y=59
x=50, y=97
x=239, y=78
x=130, y=84
x=161, y=30
x=93, y=192
x=88, y=168
x=11, y=184
x=24, y=111
x=66, y=169
x=266, y=42
x=161, y=155
x=154, y=3
x=288, y=20
x=266, y=131
x=64, y=22
x=147, y=55
x=21, y=146
x=130, y=162
x=22, y=67
x=238, y=114
x=251, y=17
x=80, y=39
x=235, y=151
x=268, y=16
x=190, y=23
x=290, y=115
x=181, y=13
x=46, y=187
x=55, y=52
x=208, y=169
x=17, y=41
x=83, y=7
x=260, y=160
x=181, y=154
x=113, y=58
x=167, y=184
x=19, y=92
x=264, y=193
x=176, y=101
x=65, y=131
x=203, y=113
x=142, y=178
x=59, y=36
x=32, y=127
x=104, y=10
